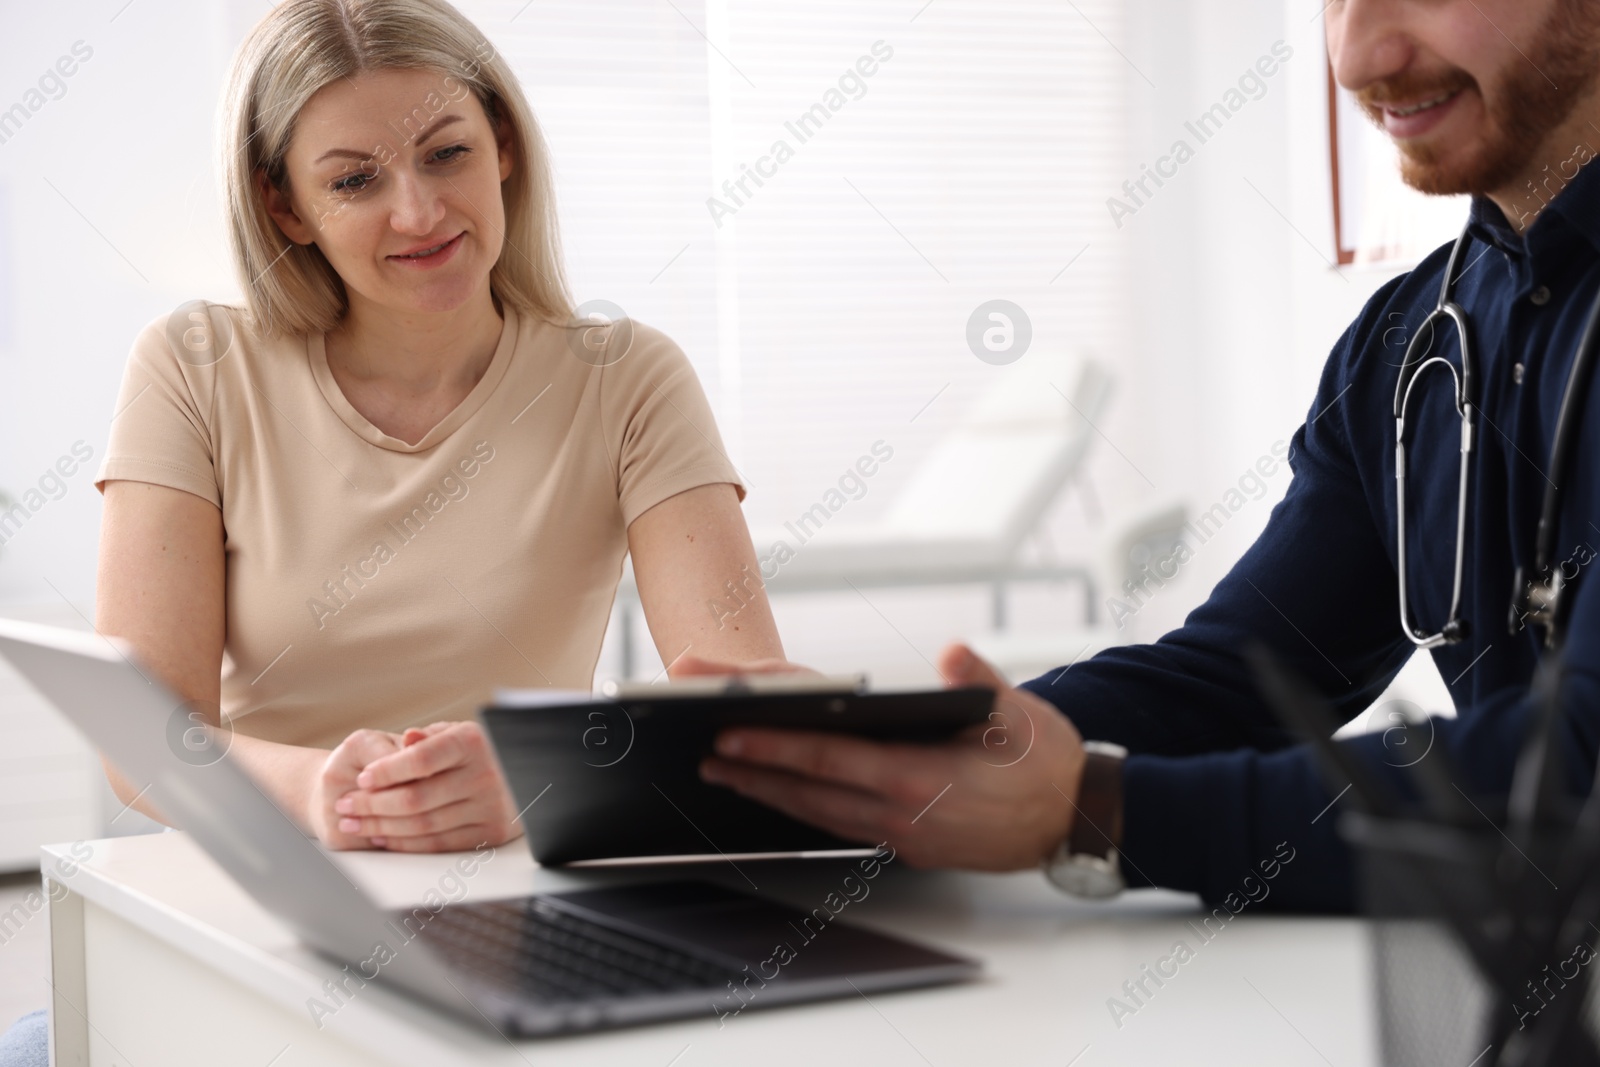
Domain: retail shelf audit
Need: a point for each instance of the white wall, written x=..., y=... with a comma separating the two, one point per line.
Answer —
x=1219, y=275
x=1238, y=303
x=109, y=219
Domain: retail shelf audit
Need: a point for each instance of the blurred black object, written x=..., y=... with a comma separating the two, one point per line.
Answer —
x=1483, y=908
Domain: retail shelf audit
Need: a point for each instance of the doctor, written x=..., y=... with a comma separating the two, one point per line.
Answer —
x=1200, y=788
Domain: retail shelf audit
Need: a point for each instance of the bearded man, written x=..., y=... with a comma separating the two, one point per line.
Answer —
x=1200, y=788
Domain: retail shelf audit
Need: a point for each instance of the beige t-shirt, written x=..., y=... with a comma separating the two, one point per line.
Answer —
x=374, y=583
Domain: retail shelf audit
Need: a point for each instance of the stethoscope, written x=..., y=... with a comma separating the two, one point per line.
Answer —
x=1537, y=596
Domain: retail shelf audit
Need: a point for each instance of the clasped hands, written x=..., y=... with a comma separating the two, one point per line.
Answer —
x=435, y=789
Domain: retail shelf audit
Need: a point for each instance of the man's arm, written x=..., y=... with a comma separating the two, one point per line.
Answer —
x=1203, y=809
x=1317, y=586
x=1205, y=783
x=1202, y=823
x=1215, y=786
x=1214, y=783
x=1209, y=824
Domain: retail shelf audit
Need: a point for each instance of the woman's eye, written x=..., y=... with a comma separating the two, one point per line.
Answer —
x=358, y=181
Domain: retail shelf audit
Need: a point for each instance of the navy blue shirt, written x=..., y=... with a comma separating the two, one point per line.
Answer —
x=1214, y=783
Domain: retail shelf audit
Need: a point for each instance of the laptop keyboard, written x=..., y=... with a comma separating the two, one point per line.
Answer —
x=555, y=955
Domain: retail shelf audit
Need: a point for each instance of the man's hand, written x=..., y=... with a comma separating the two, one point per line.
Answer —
x=1000, y=797
x=439, y=790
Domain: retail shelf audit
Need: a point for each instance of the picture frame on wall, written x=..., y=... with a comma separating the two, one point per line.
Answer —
x=1377, y=218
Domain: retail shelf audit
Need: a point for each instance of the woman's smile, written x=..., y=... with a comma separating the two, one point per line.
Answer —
x=428, y=256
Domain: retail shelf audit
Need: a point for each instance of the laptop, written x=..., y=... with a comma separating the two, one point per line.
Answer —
x=530, y=966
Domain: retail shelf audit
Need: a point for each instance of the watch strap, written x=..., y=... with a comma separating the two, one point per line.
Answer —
x=1097, y=828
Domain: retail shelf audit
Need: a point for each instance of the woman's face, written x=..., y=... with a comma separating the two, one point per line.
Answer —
x=391, y=163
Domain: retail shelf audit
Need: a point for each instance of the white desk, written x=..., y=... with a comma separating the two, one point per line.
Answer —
x=160, y=960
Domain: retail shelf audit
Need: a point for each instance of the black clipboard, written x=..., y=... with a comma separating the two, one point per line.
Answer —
x=617, y=780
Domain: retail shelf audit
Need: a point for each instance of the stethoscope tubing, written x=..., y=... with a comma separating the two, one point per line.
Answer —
x=1568, y=422
x=1412, y=366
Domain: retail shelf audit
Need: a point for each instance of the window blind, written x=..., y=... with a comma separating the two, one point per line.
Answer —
x=825, y=305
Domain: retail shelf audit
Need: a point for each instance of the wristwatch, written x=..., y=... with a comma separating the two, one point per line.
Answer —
x=1086, y=863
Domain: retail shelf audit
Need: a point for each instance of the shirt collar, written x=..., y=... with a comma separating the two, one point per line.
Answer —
x=1575, y=207
x=1579, y=202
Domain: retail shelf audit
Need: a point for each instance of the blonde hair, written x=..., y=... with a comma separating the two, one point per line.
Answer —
x=301, y=46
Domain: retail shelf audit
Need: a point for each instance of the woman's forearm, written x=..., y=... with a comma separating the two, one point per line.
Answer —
x=285, y=773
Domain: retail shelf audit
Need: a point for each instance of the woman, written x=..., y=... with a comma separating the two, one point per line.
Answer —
x=400, y=475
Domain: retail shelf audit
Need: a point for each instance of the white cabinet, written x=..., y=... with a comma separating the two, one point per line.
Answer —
x=51, y=784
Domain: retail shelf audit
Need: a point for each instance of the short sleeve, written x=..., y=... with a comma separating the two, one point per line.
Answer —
x=159, y=431
x=666, y=437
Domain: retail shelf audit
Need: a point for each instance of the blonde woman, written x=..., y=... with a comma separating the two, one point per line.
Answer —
x=398, y=476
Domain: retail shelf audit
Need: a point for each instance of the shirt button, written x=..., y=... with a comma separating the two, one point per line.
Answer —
x=1540, y=296
x=1516, y=374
